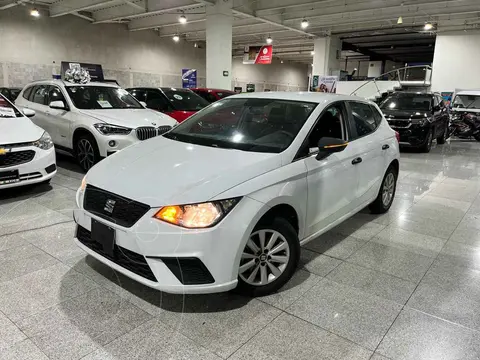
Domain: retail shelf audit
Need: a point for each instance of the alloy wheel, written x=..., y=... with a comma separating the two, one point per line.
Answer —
x=264, y=258
x=388, y=189
x=85, y=154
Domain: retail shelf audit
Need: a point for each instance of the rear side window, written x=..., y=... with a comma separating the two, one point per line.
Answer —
x=39, y=95
x=27, y=92
x=139, y=94
x=377, y=116
x=364, y=119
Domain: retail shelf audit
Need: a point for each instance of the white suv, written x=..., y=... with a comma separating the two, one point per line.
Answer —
x=91, y=121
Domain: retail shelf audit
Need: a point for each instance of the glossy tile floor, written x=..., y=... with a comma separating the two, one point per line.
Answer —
x=405, y=285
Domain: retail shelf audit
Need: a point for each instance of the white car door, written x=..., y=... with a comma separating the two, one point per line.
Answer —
x=370, y=163
x=59, y=119
x=38, y=102
x=332, y=182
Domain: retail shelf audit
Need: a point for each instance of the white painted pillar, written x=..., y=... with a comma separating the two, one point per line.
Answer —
x=219, y=45
x=326, y=58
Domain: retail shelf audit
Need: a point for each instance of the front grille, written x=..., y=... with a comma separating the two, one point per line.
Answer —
x=127, y=259
x=400, y=124
x=30, y=176
x=189, y=271
x=17, y=145
x=148, y=132
x=16, y=158
x=124, y=212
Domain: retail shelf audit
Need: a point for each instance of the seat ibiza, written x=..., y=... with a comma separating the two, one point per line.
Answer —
x=226, y=198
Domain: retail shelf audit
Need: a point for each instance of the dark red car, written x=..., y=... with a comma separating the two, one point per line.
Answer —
x=176, y=102
x=212, y=95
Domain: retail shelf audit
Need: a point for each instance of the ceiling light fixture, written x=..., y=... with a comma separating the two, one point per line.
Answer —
x=182, y=19
x=400, y=20
x=428, y=26
x=281, y=61
x=304, y=23
x=34, y=12
x=195, y=45
x=176, y=38
x=269, y=39
x=312, y=52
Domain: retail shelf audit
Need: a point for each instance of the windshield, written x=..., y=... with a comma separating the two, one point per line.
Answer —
x=467, y=102
x=7, y=110
x=184, y=99
x=258, y=125
x=224, y=94
x=406, y=101
x=101, y=97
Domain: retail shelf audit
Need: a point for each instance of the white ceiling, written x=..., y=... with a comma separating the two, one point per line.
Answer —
x=367, y=26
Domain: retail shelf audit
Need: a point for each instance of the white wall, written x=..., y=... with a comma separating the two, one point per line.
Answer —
x=29, y=46
x=456, y=61
x=361, y=66
x=375, y=69
x=276, y=76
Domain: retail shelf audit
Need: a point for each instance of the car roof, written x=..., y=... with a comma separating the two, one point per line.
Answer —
x=216, y=90
x=469, y=92
x=315, y=97
x=66, y=83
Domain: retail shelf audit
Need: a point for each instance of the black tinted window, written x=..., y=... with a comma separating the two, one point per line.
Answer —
x=377, y=116
x=55, y=94
x=40, y=94
x=407, y=101
x=364, y=119
x=184, y=99
x=139, y=94
x=156, y=101
x=27, y=92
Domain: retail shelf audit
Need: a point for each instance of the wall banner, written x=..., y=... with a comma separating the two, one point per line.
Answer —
x=326, y=84
x=258, y=54
x=189, y=78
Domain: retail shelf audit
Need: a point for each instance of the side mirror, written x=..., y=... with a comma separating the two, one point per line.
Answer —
x=329, y=145
x=28, y=112
x=144, y=104
x=58, y=104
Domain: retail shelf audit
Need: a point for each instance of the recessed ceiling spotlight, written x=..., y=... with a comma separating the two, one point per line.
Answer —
x=304, y=23
x=281, y=61
x=176, y=38
x=195, y=45
x=34, y=12
x=269, y=39
x=428, y=26
x=182, y=19
x=312, y=52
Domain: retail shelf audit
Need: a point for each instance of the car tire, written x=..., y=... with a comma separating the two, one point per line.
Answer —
x=443, y=139
x=477, y=137
x=86, y=151
x=428, y=142
x=272, y=264
x=386, y=194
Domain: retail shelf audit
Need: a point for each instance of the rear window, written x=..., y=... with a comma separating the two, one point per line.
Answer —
x=185, y=100
x=407, y=101
x=7, y=110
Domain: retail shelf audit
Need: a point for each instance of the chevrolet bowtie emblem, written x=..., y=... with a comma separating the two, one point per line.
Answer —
x=3, y=151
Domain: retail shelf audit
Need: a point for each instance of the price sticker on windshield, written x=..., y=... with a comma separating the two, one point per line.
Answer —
x=104, y=104
x=7, y=111
x=178, y=97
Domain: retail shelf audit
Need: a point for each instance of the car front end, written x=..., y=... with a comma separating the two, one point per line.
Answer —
x=413, y=130
x=26, y=163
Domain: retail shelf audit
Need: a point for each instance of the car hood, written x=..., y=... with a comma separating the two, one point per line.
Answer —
x=131, y=118
x=405, y=114
x=18, y=130
x=162, y=172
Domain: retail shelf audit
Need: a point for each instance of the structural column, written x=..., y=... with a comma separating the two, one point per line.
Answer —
x=326, y=59
x=219, y=45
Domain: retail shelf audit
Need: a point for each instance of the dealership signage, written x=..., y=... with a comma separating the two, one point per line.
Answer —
x=189, y=78
x=258, y=54
x=95, y=70
x=326, y=84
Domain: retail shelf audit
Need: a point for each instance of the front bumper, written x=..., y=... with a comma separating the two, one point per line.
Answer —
x=37, y=170
x=121, y=142
x=414, y=136
x=159, y=246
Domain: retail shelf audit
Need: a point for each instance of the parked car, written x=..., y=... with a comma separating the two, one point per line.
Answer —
x=10, y=93
x=212, y=95
x=419, y=117
x=91, y=121
x=180, y=104
x=27, y=155
x=245, y=183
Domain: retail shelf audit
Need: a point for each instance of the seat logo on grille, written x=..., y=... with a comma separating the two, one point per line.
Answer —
x=109, y=206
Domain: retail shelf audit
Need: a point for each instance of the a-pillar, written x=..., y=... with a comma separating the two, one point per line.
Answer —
x=326, y=57
x=219, y=45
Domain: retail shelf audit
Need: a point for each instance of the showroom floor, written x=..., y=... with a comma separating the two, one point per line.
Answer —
x=405, y=285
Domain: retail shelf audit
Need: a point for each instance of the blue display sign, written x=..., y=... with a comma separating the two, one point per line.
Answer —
x=189, y=78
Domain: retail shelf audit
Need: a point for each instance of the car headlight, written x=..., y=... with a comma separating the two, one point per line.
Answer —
x=108, y=129
x=45, y=142
x=423, y=121
x=197, y=216
x=83, y=185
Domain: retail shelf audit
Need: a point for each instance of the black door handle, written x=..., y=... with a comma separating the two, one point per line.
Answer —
x=385, y=147
x=356, y=161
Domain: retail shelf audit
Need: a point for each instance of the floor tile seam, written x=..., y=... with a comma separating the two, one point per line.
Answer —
x=39, y=228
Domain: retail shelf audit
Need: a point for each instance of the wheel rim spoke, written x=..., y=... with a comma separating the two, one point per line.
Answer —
x=248, y=256
x=261, y=238
x=263, y=275
x=247, y=266
x=253, y=246
x=279, y=247
x=279, y=259
x=275, y=271
x=272, y=241
x=253, y=275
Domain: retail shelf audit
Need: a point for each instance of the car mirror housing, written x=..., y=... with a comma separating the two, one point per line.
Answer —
x=329, y=145
x=28, y=112
x=58, y=104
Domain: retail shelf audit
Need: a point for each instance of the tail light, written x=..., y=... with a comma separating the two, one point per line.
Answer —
x=397, y=135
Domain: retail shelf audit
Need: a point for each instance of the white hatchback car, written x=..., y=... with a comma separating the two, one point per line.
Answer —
x=27, y=155
x=226, y=198
x=91, y=121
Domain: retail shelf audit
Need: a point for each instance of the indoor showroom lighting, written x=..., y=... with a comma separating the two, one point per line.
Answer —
x=305, y=23
x=428, y=26
x=400, y=20
x=269, y=39
x=182, y=19
x=176, y=38
x=34, y=12
x=312, y=52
